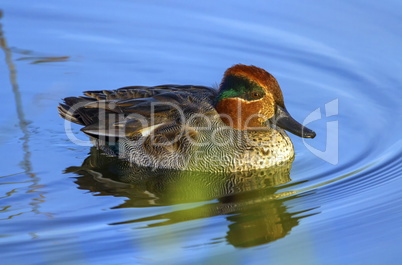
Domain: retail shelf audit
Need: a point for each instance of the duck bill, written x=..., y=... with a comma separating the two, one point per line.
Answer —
x=283, y=119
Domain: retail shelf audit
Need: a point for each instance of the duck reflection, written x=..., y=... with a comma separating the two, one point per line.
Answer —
x=252, y=201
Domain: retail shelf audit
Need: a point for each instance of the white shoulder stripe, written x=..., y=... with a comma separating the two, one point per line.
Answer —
x=147, y=131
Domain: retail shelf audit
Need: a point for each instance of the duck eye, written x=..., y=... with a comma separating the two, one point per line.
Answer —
x=256, y=94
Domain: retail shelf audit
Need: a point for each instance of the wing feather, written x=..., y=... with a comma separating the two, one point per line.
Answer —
x=138, y=111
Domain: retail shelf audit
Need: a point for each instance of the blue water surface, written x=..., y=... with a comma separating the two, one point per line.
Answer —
x=338, y=64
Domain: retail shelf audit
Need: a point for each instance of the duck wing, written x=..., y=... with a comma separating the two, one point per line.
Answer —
x=137, y=111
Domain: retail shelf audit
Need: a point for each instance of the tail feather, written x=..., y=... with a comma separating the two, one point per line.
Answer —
x=73, y=109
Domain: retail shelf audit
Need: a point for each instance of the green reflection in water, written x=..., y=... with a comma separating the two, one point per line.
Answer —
x=251, y=201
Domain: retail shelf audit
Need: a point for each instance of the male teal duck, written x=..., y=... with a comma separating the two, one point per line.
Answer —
x=238, y=127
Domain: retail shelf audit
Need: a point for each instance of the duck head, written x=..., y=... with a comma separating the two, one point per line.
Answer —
x=250, y=98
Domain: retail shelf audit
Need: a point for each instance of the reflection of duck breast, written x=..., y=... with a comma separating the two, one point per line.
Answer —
x=252, y=201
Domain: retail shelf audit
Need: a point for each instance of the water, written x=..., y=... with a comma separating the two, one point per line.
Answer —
x=341, y=206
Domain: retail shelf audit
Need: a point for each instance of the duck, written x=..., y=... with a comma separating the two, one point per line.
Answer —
x=241, y=126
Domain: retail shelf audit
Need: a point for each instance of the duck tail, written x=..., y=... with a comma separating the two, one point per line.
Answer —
x=73, y=109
